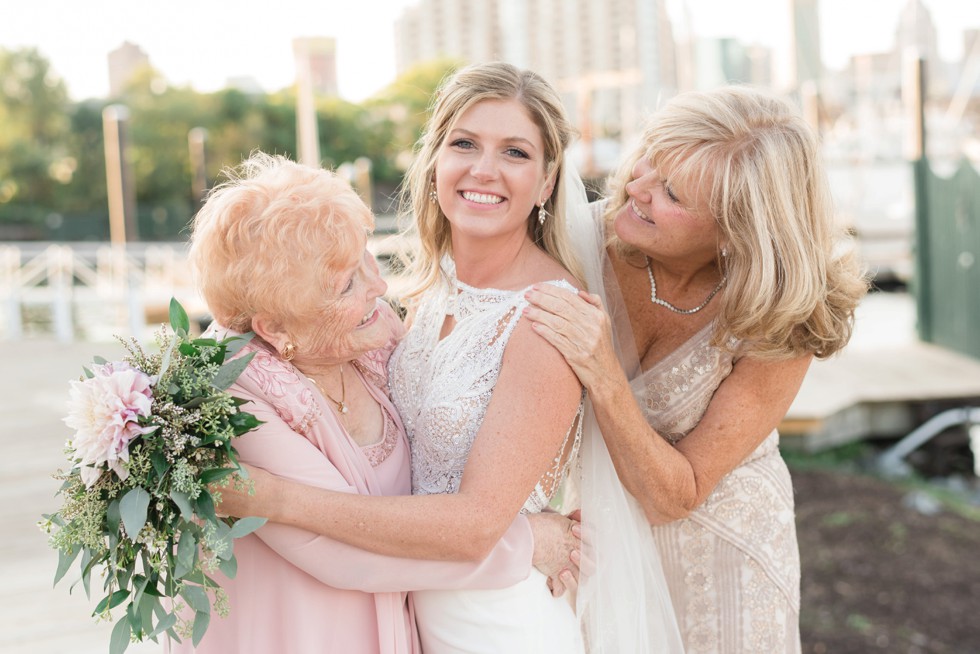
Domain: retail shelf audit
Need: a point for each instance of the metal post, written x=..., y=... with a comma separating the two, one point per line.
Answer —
x=119, y=178
x=12, y=274
x=61, y=279
x=197, y=144
x=362, y=180
x=913, y=95
x=307, y=133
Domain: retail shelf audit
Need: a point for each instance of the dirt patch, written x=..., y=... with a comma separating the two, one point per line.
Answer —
x=881, y=575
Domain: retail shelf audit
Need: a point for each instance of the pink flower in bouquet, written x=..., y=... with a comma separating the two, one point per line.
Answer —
x=104, y=410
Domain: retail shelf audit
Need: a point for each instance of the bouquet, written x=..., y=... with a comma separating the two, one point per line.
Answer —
x=151, y=433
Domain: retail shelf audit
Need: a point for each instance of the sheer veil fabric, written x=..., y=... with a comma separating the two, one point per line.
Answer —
x=623, y=603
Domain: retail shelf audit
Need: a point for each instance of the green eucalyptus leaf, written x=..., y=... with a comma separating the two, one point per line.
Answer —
x=145, y=609
x=196, y=598
x=160, y=463
x=229, y=372
x=132, y=508
x=201, y=622
x=139, y=583
x=245, y=526
x=65, y=559
x=178, y=317
x=110, y=602
x=195, y=402
x=183, y=502
x=99, y=360
x=87, y=564
x=135, y=624
x=112, y=517
x=229, y=566
x=186, y=551
x=119, y=640
x=214, y=474
x=243, y=422
x=204, y=507
x=88, y=373
x=166, y=622
x=234, y=344
x=222, y=543
x=153, y=590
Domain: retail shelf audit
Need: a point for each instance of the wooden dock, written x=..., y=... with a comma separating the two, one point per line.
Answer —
x=883, y=384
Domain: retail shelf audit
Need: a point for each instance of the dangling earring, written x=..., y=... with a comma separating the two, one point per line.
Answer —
x=288, y=351
x=542, y=213
x=433, y=197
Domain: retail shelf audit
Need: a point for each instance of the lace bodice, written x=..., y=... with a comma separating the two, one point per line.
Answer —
x=442, y=387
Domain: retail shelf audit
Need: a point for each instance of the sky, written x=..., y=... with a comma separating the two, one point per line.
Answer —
x=204, y=43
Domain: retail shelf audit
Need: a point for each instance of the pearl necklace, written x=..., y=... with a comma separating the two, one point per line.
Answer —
x=668, y=305
x=342, y=404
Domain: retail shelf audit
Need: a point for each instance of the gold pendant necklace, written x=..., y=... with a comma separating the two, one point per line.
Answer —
x=342, y=404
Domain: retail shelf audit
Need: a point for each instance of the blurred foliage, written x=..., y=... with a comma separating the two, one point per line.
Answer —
x=52, y=158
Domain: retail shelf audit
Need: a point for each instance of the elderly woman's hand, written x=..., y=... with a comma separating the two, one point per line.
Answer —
x=252, y=494
x=557, y=549
x=578, y=326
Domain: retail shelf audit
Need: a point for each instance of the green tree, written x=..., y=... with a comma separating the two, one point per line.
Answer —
x=34, y=162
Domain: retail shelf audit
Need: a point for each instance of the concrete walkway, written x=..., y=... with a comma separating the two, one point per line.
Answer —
x=34, y=617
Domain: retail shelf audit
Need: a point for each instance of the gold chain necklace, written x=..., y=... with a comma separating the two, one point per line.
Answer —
x=665, y=303
x=342, y=404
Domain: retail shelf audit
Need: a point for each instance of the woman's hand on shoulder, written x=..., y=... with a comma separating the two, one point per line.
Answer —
x=577, y=325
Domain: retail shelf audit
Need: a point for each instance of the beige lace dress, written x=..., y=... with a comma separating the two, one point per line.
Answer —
x=733, y=565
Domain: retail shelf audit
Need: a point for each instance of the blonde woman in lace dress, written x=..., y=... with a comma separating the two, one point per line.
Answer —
x=725, y=280
x=492, y=411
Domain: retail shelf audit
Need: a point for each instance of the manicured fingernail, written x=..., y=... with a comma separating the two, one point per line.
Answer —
x=576, y=556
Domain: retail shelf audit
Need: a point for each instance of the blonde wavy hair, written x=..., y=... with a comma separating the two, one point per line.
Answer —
x=793, y=281
x=465, y=88
x=270, y=238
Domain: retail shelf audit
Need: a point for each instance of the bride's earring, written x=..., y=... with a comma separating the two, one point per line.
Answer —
x=542, y=213
x=433, y=197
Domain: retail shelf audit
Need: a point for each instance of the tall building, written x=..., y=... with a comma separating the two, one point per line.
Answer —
x=916, y=32
x=808, y=65
x=124, y=62
x=317, y=58
x=612, y=60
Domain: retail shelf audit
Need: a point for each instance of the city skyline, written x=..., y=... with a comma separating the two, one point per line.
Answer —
x=251, y=42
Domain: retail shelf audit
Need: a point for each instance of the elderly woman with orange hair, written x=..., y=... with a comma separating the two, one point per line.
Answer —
x=280, y=249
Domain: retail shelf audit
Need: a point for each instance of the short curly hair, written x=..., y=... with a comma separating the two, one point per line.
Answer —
x=270, y=238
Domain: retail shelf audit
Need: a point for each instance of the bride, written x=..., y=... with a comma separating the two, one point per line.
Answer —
x=493, y=413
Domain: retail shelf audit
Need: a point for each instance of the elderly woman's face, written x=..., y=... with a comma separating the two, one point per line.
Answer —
x=348, y=324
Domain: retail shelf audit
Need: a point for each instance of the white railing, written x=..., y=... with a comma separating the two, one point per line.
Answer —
x=90, y=290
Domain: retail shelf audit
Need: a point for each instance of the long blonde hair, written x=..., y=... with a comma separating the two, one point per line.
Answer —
x=465, y=88
x=792, y=283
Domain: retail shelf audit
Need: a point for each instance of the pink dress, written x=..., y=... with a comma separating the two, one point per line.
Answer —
x=298, y=592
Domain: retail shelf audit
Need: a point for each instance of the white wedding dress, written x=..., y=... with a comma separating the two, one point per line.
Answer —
x=442, y=389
